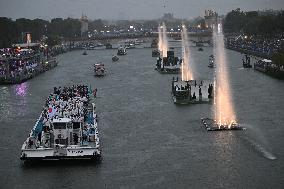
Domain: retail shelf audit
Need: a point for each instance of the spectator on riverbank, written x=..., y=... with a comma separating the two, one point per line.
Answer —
x=257, y=45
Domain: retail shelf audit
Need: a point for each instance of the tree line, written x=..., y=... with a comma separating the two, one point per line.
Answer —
x=14, y=31
x=264, y=23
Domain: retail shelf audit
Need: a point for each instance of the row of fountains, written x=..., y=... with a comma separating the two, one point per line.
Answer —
x=224, y=113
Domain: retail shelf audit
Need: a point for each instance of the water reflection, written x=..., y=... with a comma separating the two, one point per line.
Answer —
x=21, y=89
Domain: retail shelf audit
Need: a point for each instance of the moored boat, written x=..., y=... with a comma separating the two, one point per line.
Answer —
x=23, y=62
x=268, y=67
x=66, y=128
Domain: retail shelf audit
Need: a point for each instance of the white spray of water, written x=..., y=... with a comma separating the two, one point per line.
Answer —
x=160, y=44
x=257, y=140
x=165, y=40
x=187, y=64
x=224, y=109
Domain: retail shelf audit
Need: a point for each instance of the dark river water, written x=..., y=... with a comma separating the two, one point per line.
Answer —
x=148, y=141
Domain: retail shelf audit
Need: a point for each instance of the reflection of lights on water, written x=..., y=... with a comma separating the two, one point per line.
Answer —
x=21, y=89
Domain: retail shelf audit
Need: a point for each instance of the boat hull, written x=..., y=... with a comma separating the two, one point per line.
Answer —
x=66, y=153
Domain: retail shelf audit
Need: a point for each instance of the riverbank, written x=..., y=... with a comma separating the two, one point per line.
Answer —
x=28, y=73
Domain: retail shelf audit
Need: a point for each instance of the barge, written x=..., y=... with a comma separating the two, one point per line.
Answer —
x=66, y=128
x=169, y=64
x=192, y=91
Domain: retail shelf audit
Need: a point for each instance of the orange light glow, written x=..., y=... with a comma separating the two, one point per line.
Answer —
x=224, y=107
x=186, y=67
x=163, y=40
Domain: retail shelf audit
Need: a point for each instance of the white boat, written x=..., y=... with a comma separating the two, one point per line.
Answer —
x=66, y=129
x=99, y=69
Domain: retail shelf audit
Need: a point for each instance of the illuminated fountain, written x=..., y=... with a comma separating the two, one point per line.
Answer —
x=189, y=90
x=186, y=67
x=166, y=63
x=160, y=42
x=224, y=114
x=163, y=40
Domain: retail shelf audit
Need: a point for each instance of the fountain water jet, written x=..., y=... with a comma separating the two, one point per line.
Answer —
x=186, y=66
x=224, y=108
x=160, y=43
x=225, y=117
x=163, y=39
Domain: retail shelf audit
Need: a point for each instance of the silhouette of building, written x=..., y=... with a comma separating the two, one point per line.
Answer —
x=168, y=17
x=210, y=18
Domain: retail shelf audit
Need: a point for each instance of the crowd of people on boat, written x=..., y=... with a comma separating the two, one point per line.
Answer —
x=67, y=102
x=258, y=45
x=188, y=87
x=19, y=67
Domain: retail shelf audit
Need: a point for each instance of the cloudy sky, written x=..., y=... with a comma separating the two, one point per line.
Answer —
x=126, y=9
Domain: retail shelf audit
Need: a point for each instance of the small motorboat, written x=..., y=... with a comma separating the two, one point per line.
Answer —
x=211, y=61
x=115, y=58
x=99, y=69
x=84, y=53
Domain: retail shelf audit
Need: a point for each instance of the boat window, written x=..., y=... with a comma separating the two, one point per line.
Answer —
x=76, y=125
x=59, y=125
x=69, y=125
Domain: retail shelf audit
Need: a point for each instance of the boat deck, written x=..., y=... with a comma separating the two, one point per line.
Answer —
x=199, y=89
x=66, y=128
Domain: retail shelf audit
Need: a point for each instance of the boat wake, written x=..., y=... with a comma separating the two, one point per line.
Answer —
x=256, y=139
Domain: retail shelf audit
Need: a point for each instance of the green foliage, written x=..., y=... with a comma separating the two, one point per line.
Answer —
x=278, y=59
x=8, y=32
x=254, y=23
x=15, y=31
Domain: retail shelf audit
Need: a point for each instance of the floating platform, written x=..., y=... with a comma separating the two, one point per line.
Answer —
x=192, y=92
x=212, y=125
x=169, y=64
x=169, y=70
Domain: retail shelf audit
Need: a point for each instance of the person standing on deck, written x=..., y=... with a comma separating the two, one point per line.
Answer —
x=95, y=92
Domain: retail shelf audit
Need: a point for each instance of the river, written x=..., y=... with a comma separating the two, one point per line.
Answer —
x=148, y=141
